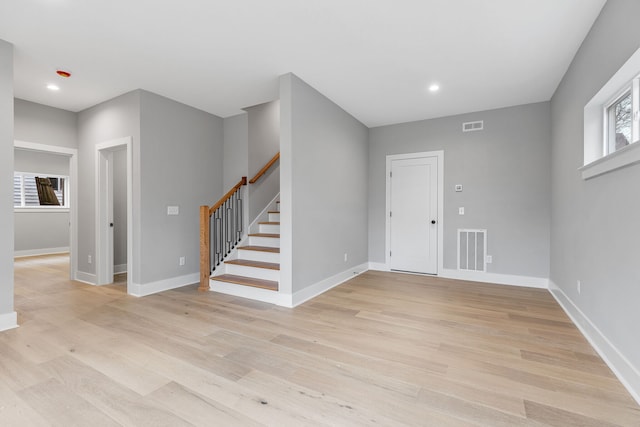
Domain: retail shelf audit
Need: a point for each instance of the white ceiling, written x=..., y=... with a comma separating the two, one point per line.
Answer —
x=374, y=58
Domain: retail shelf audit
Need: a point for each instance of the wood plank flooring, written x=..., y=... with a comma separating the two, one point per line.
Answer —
x=382, y=349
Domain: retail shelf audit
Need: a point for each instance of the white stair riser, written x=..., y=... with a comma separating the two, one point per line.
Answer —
x=256, y=273
x=259, y=256
x=270, y=228
x=272, y=242
x=274, y=217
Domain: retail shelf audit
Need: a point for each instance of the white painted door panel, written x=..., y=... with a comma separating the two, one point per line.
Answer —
x=413, y=216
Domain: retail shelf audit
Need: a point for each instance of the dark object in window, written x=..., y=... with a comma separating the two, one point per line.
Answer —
x=46, y=195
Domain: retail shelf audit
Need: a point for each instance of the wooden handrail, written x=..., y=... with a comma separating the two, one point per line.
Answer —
x=226, y=197
x=265, y=168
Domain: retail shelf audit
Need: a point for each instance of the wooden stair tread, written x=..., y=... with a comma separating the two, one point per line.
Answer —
x=257, y=264
x=261, y=249
x=264, y=235
x=247, y=281
x=270, y=223
x=274, y=212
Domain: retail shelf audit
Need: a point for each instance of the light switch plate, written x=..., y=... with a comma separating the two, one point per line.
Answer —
x=461, y=211
x=173, y=210
x=458, y=187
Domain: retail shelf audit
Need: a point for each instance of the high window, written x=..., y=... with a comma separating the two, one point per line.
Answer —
x=35, y=190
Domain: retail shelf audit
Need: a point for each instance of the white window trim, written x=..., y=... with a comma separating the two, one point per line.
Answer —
x=597, y=161
x=44, y=208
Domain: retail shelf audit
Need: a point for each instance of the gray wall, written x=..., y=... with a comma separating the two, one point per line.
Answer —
x=236, y=150
x=45, y=125
x=41, y=230
x=595, y=225
x=113, y=119
x=264, y=142
x=504, y=170
x=327, y=154
x=120, y=207
x=6, y=178
x=181, y=164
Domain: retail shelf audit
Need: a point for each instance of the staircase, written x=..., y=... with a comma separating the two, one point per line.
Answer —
x=257, y=263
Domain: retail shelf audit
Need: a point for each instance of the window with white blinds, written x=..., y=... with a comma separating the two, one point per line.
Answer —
x=25, y=190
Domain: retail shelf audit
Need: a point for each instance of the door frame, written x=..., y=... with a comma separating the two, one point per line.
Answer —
x=439, y=155
x=72, y=153
x=104, y=204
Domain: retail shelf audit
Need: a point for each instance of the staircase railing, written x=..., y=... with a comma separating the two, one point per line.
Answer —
x=265, y=168
x=224, y=223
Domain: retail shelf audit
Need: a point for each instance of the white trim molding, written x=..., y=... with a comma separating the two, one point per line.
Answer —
x=323, y=286
x=119, y=268
x=88, y=278
x=256, y=294
x=141, y=290
x=43, y=251
x=624, y=370
x=496, y=278
x=8, y=321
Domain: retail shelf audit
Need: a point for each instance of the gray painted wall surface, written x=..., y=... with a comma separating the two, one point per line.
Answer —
x=505, y=173
x=40, y=162
x=236, y=150
x=41, y=230
x=113, y=119
x=120, y=207
x=264, y=142
x=6, y=177
x=329, y=152
x=182, y=162
x=45, y=125
x=595, y=225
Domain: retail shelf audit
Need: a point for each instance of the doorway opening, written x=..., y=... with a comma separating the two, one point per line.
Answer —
x=72, y=155
x=114, y=212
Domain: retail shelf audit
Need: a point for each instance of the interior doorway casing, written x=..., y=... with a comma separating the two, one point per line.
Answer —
x=439, y=155
x=104, y=210
x=72, y=153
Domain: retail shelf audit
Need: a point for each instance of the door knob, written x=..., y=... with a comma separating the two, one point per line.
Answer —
x=110, y=224
x=433, y=221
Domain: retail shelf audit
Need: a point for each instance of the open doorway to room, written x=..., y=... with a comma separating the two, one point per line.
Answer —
x=45, y=190
x=114, y=213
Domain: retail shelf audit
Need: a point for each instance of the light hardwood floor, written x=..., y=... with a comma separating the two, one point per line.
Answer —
x=381, y=349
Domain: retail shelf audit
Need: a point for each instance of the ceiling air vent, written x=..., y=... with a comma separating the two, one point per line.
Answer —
x=471, y=126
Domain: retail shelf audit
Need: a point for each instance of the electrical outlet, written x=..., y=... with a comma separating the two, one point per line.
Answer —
x=461, y=211
x=489, y=259
x=579, y=287
x=345, y=257
x=182, y=260
x=89, y=259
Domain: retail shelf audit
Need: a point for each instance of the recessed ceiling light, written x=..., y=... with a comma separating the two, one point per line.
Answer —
x=53, y=87
x=434, y=88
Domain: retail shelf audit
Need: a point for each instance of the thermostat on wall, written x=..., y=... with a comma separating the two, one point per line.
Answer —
x=458, y=187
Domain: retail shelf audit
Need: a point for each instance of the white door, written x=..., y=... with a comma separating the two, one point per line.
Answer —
x=413, y=215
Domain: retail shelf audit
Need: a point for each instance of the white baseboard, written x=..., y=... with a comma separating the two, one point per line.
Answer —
x=43, y=251
x=257, y=294
x=627, y=373
x=324, y=285
x=119, y=268
x=8, y=321
x=378, y=266
x=499, y=279
x=141, y=290
x=476, y=276
x=88, y=278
